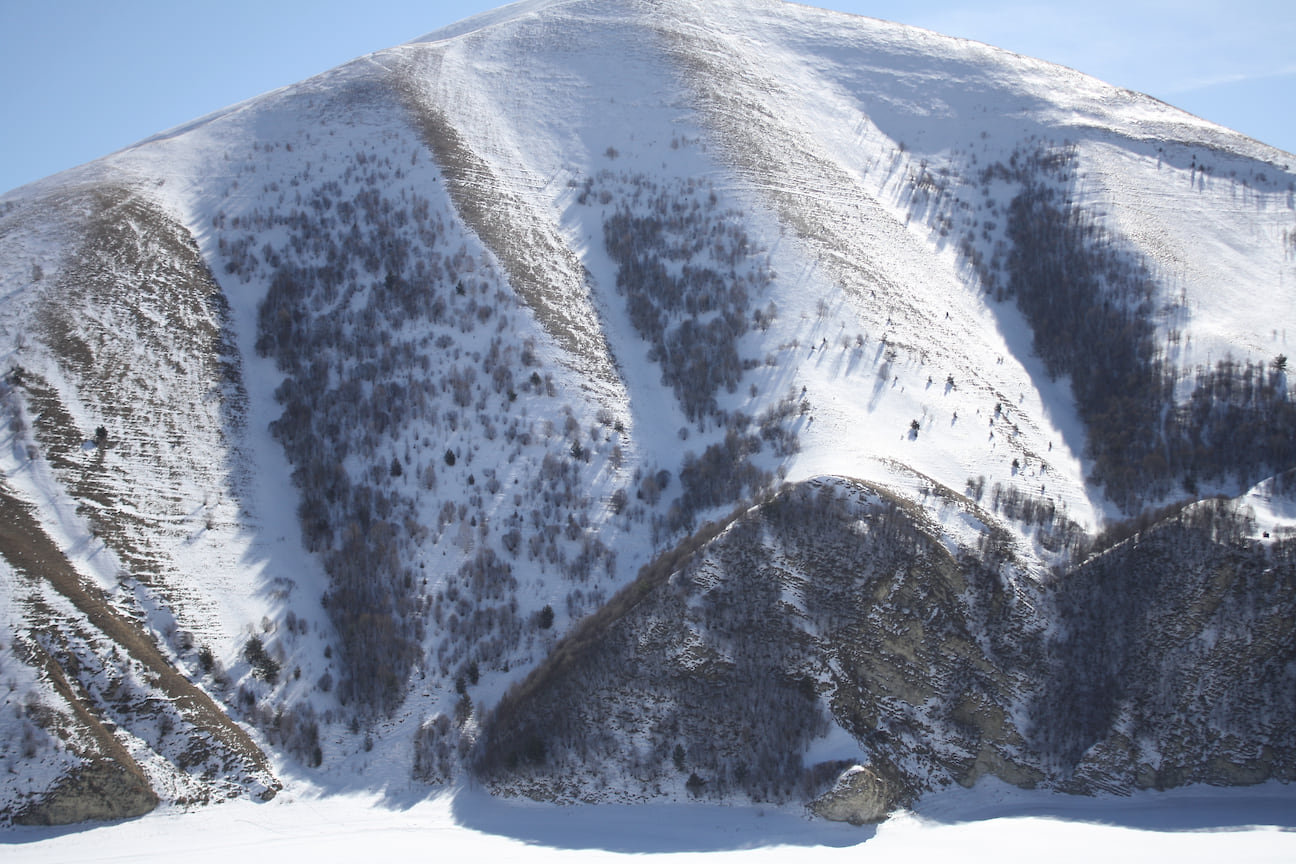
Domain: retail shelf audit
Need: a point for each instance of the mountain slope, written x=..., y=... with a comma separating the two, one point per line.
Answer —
x=362, y=395
x=835, y=607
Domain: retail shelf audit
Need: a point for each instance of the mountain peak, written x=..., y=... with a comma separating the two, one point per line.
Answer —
x=429, y=410
x=527, y=10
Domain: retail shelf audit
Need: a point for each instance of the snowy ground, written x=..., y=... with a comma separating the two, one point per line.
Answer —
x=990, y=823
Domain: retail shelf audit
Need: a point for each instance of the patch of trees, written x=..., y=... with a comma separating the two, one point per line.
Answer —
x=1090, y=305
x=263, y=665
x=775, y=424
x=688, y=274
x=1172, y=639
x=1054, y=531
x=724, y=473
x=438, y=746
x=352, y=270
x=477, y=612
x=1240, y=421
x=294, y=729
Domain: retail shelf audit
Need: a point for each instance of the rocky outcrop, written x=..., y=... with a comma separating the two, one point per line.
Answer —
x=100, y=790
x=860, y=796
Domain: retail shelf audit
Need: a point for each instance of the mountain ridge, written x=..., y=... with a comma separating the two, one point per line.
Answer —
x=361, y=394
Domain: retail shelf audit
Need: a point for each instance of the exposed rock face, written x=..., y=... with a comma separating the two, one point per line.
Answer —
x=833, y=600
x=100, y=790
x=859, y=797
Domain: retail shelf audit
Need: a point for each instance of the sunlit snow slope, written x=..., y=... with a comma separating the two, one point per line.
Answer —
x=354, y=398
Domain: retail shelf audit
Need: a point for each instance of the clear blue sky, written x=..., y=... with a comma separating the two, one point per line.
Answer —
x=82, y=79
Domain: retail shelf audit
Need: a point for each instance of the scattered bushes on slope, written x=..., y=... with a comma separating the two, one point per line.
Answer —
x=689, y=274
x=393, y=343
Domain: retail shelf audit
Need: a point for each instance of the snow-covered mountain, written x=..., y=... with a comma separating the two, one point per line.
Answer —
x=622, y=400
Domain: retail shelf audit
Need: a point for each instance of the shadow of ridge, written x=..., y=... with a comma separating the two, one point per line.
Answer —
x=649, y=828
x=1187, y=809
x=22, y=835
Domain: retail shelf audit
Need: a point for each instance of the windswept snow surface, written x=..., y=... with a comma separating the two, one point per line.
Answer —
x=994, y=824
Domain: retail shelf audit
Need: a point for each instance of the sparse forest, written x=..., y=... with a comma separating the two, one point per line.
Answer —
x=689, y=274
x=1092, y=306
x=401, y=359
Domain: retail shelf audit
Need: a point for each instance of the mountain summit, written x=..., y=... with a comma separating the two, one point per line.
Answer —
x=613, y=401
